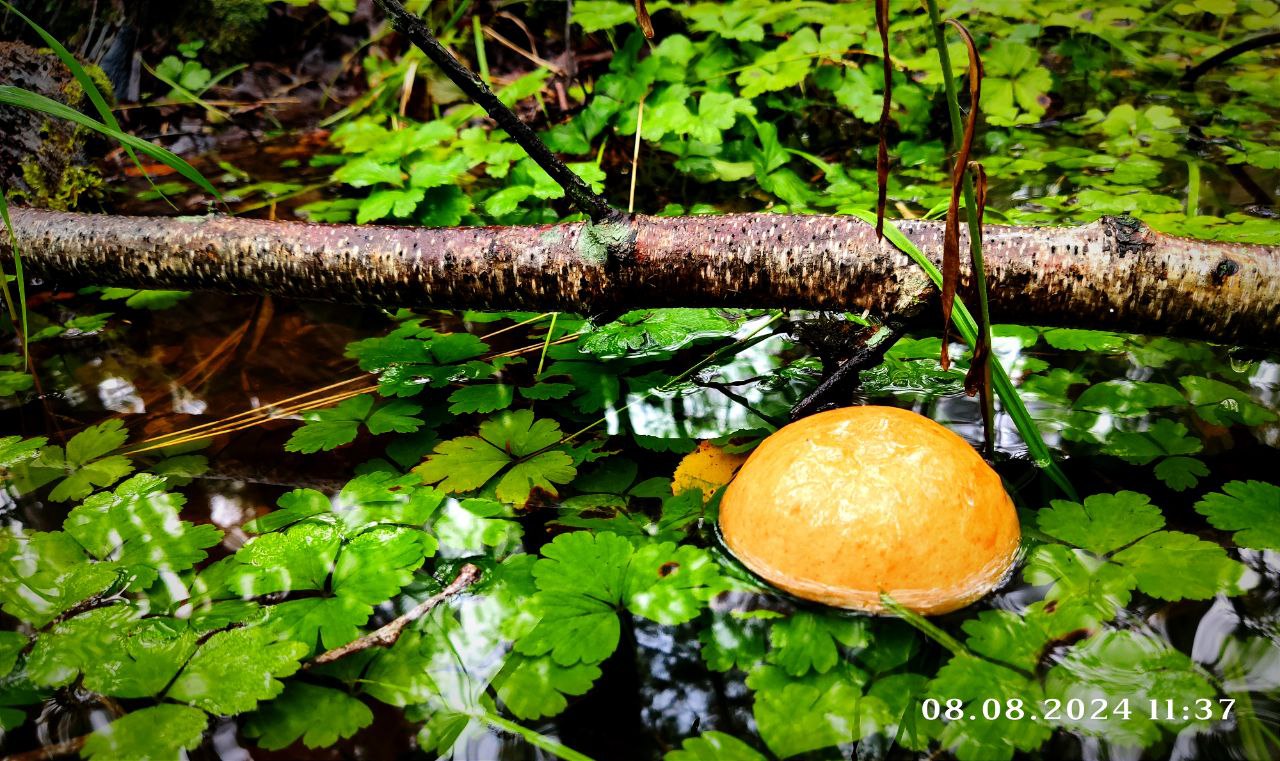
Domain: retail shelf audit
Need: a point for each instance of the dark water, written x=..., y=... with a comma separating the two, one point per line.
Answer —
x=214, y=356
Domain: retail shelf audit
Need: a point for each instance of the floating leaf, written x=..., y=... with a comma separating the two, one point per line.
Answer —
x=1165, y=437
x=85, y=464
x=1249, y=508
x=15, y=450
x=138, y=527
x=1125, y=398
x=331, y=428
x=45, y=574
x=583, y=579
x=1171, y=565
x=1104, y=523
x=1074, y=339
x=795, y=715
x=972, y=737
x=513, y=442
x=706, y=469
x=1126, y=670
x=646, y=332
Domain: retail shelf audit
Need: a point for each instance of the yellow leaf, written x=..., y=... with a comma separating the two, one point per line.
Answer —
x=706, y=468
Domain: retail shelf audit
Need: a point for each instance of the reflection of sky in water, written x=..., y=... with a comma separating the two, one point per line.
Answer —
x=119, y=395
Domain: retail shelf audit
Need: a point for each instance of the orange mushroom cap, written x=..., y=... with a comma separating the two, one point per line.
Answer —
x=844, y=505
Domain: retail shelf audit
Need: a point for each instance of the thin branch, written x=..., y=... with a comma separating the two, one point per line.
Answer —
x=389, y=634
x=578, y=191
x=846, y=378
x=1194, y=73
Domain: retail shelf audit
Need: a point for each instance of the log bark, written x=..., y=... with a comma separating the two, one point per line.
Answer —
x=1112, y=274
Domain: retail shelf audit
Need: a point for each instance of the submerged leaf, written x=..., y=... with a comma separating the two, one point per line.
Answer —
x=714, y=746
x=318, y=716
x=535, y=687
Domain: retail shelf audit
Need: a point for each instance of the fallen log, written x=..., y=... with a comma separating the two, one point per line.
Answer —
x=1113, y=274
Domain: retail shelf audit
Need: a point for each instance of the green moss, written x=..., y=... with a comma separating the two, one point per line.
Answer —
x=75, y=93
x=54, y=178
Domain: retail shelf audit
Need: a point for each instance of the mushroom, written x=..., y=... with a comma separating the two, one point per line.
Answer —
x=845, y=505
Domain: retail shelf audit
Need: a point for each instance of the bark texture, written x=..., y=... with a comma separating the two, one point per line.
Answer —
x=1114, y=273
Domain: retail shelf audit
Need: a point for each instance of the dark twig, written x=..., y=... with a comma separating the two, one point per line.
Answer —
x=886, y=104
x=1191, y=75
x=578, y=191
x=388, y=635
x=845, y=378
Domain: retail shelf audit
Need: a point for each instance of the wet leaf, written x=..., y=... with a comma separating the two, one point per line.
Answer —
x=731, y=641
x=236, y=669
x=714, y=746
x=1181, y=473
x=972, y=680
x=488, y=397
x=706, y=469
x=1125, y=398
x=580, y=580
x=647, y=332
x=1223, y=404
x=795, y=715
x=318, y=716
x=1104, y=523
x=805, y=641
x=138, y=527
x=15, y=450
x=1074, y=339
x=1165, y=437
x=535, y=687
x=1171, y=565
x=583, y=580
x=86, y=463
x=331, y=428
x=45, y=574
x=158, y=733
x=1249, y=508
x=514, y=442
x=1116, y=666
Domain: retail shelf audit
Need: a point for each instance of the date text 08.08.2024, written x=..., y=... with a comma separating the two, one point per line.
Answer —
x=1077, y=709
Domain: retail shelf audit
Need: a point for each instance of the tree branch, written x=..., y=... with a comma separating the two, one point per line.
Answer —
x=1114, y=273
x=389, y=634
x=578, y=191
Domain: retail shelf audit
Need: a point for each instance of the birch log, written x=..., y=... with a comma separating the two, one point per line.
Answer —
x=1113, y=274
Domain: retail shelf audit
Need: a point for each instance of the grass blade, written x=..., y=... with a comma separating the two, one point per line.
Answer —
x=21, y=305
x=967, y=327
x=16, y=96
x=98, y=100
